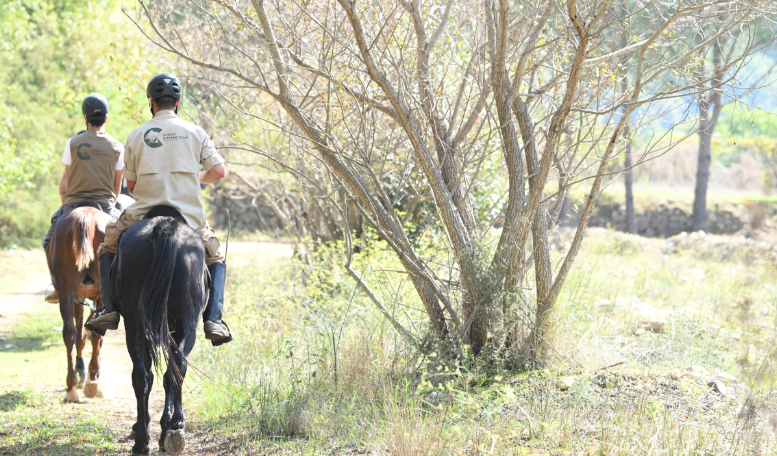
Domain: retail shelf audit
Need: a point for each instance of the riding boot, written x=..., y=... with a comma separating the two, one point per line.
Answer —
x=106, y=317
x=216, y=330
x=52, y=297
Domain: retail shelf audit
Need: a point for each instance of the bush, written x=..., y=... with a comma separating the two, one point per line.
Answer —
x=25, y=215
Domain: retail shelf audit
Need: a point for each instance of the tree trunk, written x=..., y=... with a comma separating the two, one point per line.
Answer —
x=541, y=333
x=628, y=178
x=710, y=107
x=702, y=180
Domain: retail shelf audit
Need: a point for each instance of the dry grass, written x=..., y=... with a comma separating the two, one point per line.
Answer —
x=325, y=364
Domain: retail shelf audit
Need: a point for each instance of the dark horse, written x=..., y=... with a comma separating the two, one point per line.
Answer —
x=160, y=285
x=72, y=264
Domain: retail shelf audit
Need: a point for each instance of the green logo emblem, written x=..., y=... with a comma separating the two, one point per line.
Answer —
x=151, y=137
x=83, y=155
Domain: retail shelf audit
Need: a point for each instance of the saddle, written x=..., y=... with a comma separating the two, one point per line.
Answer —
x=164, y=211
x=87, y=203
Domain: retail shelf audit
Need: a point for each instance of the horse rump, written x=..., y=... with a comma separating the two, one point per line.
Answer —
x=83, y=238
x=170, y=284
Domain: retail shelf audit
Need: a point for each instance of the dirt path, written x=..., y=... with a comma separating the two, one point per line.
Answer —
x=22, y=287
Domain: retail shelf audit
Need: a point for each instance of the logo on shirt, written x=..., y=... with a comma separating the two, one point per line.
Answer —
x=83, y=154
x=151, y=137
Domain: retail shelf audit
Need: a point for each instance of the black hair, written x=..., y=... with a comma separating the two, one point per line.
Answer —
x=96, y=121
x=166, y=102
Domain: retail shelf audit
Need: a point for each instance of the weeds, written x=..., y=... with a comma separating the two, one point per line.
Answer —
x=314, y=363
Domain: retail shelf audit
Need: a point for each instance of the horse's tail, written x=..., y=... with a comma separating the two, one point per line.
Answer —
x=154, y=295
x=83, y=237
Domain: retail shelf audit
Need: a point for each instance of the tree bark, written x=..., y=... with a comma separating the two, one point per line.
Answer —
x=628, y=179
x=710, y=107
x=702, y=180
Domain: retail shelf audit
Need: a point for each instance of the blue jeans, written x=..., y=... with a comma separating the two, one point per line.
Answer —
x=68, y=208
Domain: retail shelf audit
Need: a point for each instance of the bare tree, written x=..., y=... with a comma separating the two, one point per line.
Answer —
x=456, y=97
x=710, y=103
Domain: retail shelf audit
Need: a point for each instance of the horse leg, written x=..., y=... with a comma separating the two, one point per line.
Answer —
x=173, y=424
x=136, y=349
x=92, y=387
x=66, y=298
x=149, y=383
x=78, y=315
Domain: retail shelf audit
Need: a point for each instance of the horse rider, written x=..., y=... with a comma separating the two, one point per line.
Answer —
x=162, y=167
x=93, y=167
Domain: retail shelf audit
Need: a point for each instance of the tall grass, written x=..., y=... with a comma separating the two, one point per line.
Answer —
x=314, y=368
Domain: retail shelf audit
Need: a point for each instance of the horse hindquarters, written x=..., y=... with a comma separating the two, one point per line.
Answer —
x=148, y=283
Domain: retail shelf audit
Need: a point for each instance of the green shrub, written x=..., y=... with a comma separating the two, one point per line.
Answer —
x=25, y=215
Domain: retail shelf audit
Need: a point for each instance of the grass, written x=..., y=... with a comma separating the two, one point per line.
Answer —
x=35, y=350
x=33, y=421
x=314, y=369
x=31, y=425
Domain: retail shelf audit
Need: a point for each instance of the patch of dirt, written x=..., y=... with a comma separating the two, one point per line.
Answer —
x=23, y=293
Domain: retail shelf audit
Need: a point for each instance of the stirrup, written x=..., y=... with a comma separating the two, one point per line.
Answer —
x=222, y=340
x=94, y=315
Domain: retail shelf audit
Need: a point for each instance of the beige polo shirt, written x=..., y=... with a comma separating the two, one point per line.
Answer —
x=163, y=157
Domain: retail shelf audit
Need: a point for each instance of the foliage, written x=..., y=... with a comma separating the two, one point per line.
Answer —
x=455, y=117
x=51, y=58
x=737, y=121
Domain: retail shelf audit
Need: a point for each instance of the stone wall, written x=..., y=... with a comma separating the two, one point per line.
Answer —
x=662, y=221
x=251, y=214
x=245, y=212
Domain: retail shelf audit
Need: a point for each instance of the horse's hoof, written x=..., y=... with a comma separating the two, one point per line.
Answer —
x=174, y=442
x=72, y=396
x=92, y=389
x=140, y=451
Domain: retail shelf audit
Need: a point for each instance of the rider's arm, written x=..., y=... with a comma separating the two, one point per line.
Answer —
x=131, y=186
x=66, y=160
x=210, y=160
x=63, y=184
x=119, y=171
x=117, y=183
x=215, y=173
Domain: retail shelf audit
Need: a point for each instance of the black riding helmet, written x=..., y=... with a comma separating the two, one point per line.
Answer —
x=95, y=105
x=164, y=85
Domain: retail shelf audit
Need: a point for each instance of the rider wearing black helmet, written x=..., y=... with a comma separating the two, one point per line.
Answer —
x=93, y=166
x=162, y=167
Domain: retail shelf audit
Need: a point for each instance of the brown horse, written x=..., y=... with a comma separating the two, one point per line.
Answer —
x=73, y=266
